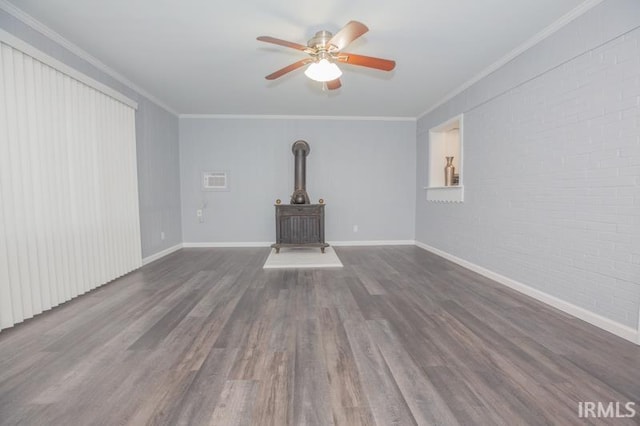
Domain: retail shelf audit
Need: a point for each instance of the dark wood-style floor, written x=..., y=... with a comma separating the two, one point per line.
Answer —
x=397, y=336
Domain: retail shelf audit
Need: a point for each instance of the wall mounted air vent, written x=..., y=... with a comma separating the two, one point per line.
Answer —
x=215, y=181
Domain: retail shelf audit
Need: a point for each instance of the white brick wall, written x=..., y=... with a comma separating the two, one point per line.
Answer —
x=552, y=167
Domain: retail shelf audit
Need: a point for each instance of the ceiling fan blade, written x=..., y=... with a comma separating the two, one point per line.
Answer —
x=347, y=34
x=334, y=84
x=289, y=68
x=284, y=43
x=367, y=61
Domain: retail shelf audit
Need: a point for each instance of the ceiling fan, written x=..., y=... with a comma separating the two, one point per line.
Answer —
x=324, y=50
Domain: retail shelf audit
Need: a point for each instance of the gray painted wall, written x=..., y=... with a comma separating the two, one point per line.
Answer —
x=552, y=167
x=158, y=178
x=157, y=146
x=363, y=169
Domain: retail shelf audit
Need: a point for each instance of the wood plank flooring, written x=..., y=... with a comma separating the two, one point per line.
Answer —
x=396, y=337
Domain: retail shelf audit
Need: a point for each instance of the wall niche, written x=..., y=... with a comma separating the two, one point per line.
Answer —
x=445, y=140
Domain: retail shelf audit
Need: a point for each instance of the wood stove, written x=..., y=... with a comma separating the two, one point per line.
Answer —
x=300, y=224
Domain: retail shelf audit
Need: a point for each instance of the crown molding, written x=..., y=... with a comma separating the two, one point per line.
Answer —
x=57, y=38
x=296, y=117
x=38, y=26
x=22, y=46
x=551, y=29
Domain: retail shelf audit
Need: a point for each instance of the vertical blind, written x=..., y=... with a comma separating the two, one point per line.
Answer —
x=69, y=218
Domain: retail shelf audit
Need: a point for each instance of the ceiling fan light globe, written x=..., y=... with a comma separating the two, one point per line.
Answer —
x=323, y=71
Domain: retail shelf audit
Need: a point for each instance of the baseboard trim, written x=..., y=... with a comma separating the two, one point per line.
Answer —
x=333, y=243
x=227, y=244
x=161, y=254
x=372, y=243
x=620, y=330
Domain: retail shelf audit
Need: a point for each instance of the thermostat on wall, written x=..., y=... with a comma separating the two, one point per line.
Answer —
x=215, y=181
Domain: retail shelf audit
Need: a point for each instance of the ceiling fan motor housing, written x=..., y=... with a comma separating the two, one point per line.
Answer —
x=320, y=41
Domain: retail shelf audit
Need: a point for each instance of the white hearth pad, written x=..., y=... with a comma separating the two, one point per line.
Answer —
x=306, y=257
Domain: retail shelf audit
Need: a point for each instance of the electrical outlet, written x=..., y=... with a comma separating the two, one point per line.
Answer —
x=355, y=228
x=199, y=212
x=162, y=235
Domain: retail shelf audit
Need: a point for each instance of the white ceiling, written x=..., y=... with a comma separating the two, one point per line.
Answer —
x=202, y=57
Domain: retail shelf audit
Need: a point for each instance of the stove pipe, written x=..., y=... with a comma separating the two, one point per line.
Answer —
x=300, y=150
